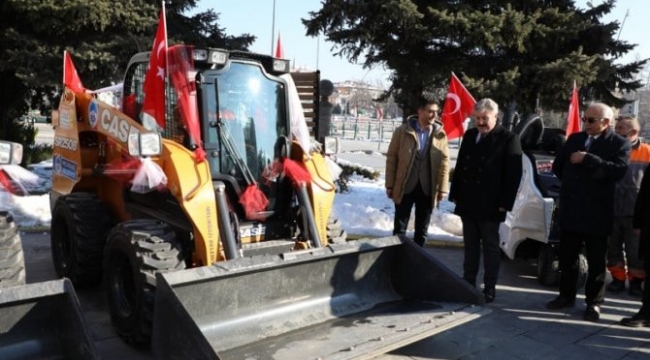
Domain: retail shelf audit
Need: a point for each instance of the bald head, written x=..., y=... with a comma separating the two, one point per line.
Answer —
x=628, y=126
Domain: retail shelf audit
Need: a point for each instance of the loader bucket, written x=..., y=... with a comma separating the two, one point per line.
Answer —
x=43, y=321
x=353, y=300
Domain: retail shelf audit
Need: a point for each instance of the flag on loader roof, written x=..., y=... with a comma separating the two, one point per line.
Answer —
x=154, y=80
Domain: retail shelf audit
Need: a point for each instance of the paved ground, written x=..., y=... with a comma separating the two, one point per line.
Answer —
x=519, y=327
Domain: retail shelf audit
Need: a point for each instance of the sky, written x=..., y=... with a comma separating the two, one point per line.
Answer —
x=255, y=17
x=363, y=211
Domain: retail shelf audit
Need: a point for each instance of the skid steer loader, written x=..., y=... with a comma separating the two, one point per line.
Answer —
x=195, y=272
x=41, y=320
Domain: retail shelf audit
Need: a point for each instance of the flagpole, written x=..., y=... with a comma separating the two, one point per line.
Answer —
x=273, y=28
x=164, y=16
x=64, y=56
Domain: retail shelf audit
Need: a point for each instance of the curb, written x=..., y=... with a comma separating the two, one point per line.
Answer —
x=33, y=229
x=432, y=243
x=443, y=244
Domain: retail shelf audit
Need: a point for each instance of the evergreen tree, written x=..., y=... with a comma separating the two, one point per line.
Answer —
x=100, y=35
x=528, y=52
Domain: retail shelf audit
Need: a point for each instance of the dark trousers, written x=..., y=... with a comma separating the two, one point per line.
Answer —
x=596, y=252
x=423, y=211
x=475, y=234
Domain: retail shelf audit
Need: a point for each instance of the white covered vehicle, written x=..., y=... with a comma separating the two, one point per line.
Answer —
x=530, y=229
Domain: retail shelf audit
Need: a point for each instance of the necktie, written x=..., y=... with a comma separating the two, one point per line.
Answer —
x=478, y=138
x=588, y=142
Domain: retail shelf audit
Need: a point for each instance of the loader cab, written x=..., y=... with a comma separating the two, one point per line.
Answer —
x=241, y=100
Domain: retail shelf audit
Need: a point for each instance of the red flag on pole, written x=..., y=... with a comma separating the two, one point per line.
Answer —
x=459, y=105
x=279, y=53
x=70, y=76
x=573, y=120
x=180, y=66
x=154, y=80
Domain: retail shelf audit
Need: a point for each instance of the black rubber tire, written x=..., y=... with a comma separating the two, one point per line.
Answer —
x=80, y=223
x=335, y=232
x=12, y=259
x=135, y=251
x=548, y=266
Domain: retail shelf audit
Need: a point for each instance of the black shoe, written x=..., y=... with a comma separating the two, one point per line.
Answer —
x=638, y=320
x=560, y=302
x=490, y=294
x=470, y=281
x=636, y=288
x=592, y=313
x=616, y=286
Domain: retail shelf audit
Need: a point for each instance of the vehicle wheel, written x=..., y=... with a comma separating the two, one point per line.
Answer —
x=335, y=232
x=80, y=223
x=12, y=259
x=547, y=266
x=135, y=251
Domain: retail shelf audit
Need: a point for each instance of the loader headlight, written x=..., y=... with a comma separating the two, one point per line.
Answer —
x=218, y=57
x=10, y=153
x=280, y=65
x=200, y=54
x=145, y=144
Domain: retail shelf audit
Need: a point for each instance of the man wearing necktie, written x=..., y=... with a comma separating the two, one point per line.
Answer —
x=484, y=187
x=588, y=165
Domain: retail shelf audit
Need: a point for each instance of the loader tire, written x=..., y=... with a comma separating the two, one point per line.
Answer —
x=135, y=251
x=80, y=223
x=335, y=232
x=12, y=259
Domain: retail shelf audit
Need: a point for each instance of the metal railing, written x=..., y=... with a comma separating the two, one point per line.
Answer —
x=354, y=128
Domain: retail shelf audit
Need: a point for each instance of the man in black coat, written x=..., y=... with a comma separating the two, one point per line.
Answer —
x=484, y=187
x=589, y=165
x=641, y=222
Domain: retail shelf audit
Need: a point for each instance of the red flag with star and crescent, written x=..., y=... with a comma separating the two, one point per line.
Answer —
x=70, y=76
x=459, y=105
x=154, y=80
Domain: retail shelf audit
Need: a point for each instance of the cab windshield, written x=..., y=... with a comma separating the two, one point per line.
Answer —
x=246, y=116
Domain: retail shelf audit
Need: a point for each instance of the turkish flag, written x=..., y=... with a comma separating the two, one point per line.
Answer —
x=70, y=76
x=279, y=53
x=180, y=66
x=154, y=80
x=459, y=105
x=573, y=120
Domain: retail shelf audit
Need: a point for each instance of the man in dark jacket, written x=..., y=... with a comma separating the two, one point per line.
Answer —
x=641, y=222
x=484, y=186
x=589, y=165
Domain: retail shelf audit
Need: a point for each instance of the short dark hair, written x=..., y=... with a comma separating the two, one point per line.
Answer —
x=425, y=100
